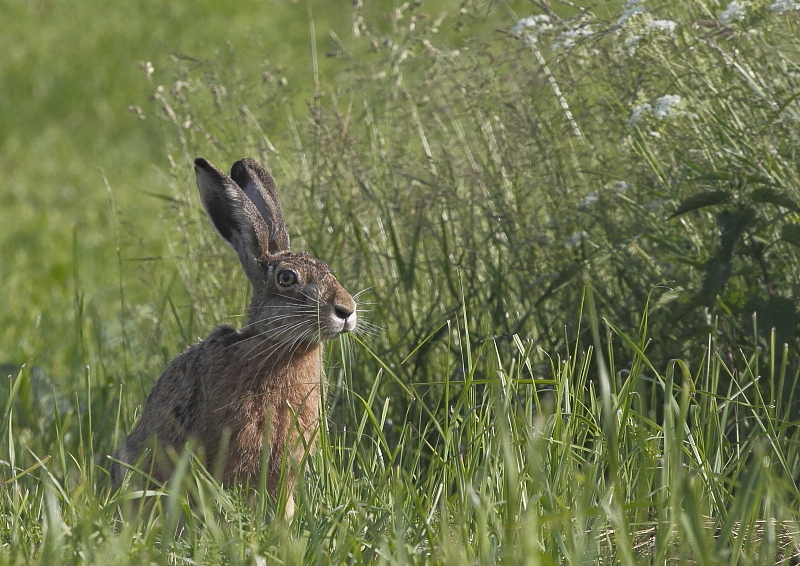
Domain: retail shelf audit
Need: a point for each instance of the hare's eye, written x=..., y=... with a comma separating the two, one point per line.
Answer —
x=287, y=278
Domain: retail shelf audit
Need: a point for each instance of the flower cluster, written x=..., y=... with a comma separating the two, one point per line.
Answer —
x=734, y=11
x=630, y=9
x=665, y=104
x=661, y=109
x=568, y=38
x=782, y=6
x=530, y=28
x=639, y=24
x=666, y=26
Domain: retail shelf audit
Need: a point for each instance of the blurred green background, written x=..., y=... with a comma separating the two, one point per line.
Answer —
x=77, y=129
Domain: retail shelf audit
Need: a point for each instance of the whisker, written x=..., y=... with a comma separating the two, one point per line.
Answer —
x=295, y=312
x=371, y=334
x=276, y=345
x=259, y=335
x=292, y=306
x=288, y=348
x=276, y=354
x=362, y=291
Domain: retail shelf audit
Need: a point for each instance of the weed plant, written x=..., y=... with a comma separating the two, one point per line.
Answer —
x=577, y=238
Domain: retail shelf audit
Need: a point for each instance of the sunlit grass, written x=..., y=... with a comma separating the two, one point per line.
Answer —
x=515, y=468
x=578, y=259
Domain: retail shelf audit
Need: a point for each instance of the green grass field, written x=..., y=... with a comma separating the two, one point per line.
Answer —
x=577, y=237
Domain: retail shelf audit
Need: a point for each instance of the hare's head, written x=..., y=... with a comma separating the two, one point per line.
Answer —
x=296, y=298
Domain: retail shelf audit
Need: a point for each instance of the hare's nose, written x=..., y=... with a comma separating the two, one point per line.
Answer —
x=342, y=312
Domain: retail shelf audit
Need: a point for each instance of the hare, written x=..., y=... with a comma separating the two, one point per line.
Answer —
x=239, y=388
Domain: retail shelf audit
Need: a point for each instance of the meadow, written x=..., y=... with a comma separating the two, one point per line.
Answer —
x=577, y=234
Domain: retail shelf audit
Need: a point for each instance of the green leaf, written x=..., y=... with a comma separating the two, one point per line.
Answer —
x=773, y=196
x=791, y=233
x=718, y=271
x=161, y=196
x=701, y=200
x=732, y=224
x=736, y=178
x=762, y=179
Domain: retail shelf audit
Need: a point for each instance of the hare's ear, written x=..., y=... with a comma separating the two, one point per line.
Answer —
x=258, y=185
x=233, y=214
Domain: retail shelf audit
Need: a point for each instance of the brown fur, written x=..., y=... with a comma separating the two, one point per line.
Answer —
x=228, y=389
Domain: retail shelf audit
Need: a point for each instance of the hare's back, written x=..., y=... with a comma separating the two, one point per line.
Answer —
x=176, y=403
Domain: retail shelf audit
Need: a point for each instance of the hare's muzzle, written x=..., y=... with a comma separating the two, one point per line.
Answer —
x=346, y=317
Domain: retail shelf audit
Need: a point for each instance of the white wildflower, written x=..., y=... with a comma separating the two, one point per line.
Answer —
x=652, y=27
x=662, y=108
x=667, y=26
x=633, y=43
x=576, y=239
x=532, y=22
x=654, y=134
x=176, y=89
x=589, y=200
x=782, y=6
x=630, y=9
x=535, y=24
x=147, y=66
x=734, y=11
x=570, y=37
x=637, y=112
x=665, y=104
x=138, y=111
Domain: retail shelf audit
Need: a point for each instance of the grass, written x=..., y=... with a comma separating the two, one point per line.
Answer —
x=582, y=265
x=518, y=469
